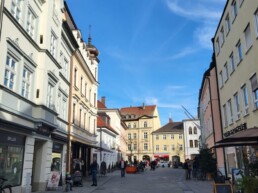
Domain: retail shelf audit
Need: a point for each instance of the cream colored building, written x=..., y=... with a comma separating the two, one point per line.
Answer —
x=83, y=100
x=141, y=122
x=236, y=48
x=169, y=141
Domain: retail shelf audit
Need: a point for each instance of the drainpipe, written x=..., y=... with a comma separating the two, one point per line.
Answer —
x=1, y=16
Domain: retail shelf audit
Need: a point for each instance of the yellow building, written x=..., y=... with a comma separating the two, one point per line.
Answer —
x=169, y=141
x=141, y=122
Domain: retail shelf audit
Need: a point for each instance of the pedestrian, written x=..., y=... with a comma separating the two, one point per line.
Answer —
x=185, y=167
x=122, y=166
x=190, y=167
x=94, y=170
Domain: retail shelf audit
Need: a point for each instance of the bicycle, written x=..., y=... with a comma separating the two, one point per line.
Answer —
x=5, y=188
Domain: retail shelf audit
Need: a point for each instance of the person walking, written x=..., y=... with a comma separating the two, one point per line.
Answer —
x=185, y=166
x=189, y=169
x=94, y=169
x=122, y=166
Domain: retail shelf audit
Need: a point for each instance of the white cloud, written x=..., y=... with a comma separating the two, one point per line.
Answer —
x=186, y=51
x=204, y=35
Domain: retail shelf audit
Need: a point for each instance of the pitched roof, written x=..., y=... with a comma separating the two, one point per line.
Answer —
x=101, y=105
x=102, y=124
x=171, y=127
x=138, y=111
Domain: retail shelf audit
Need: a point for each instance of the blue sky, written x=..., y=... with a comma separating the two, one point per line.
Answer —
x=151, y=51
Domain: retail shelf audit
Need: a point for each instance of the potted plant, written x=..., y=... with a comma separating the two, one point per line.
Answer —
x=250, y=181
x=207, y=162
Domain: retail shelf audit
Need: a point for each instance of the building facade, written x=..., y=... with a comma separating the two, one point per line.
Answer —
x=209, y=114
x=192, y=133
x=141, y=122
x=235, y=46
x=168, y=141
x=34, y=89
x=83, y=101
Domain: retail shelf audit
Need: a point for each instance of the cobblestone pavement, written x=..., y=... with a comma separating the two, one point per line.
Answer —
x=164, y=180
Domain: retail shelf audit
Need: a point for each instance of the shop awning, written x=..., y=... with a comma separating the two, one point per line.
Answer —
x=244, y=138
x=161, y=155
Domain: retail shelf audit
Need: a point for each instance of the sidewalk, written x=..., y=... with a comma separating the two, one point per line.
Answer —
x=110, y=181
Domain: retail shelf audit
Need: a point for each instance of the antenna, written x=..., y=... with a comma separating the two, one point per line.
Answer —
x=190, y=116
x=89, y=38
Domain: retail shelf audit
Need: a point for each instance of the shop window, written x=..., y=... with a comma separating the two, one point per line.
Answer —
x=11, y=157
x=56, y=164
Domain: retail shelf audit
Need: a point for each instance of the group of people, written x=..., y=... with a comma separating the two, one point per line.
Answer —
x=191, y=167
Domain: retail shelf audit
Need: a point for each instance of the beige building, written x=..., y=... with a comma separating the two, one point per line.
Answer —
x=168, y=141
x=83, y=100
x=236, y=48
x=141, y=122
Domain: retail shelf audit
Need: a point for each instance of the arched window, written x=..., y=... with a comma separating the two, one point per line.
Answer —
x=145, y=124
x=195, y=130
x=190, y=131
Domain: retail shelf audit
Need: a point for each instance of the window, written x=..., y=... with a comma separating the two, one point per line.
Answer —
x=129, y=147
x=226, y=72
x=145, y=135
x=173, y=147
x=195, y=130
x=129, y=125
x=157, y=147
x=240, y=52
x=191, y=143
x=74, y=112
x=227, y=21
x=190, y=131
x=234, y=9
x=81, y=84
x=129, y=135
x=230, y=112
x=80, y=118
x=134, y=135
x=222, y=36
x=134, y=146
x=248, y=37
x=245, y=100
x=256, y=21
x=75, y=77
x=134, y=125
x=145, y=124
x=85, y=89
x=145, y=146
x=221, y=82
x=53, y=44
x=217, y=46
x=172, y=136
x=232, y=63
x=196, y=143
x=26, y=77
x=16, y=9
x=180, y=136
x=180, y=146
x=50, y=92
x=85, y=119
x=254, y=86
x=237, y=106
x=164, y=136
x=165, y=147
x=31, y=24
x=10, y=72
x=225, y=116
x=157, y=137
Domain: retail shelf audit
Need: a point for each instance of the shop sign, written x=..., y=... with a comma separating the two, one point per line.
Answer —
x=12, y=138
x=57, y=147
x=236, y=130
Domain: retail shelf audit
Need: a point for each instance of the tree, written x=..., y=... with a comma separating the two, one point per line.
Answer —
x=207, y=162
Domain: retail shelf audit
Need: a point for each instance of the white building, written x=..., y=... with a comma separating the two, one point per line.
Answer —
x=34, y=92
x=192, y=134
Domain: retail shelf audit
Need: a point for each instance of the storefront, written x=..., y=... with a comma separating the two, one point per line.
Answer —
x=11, y=157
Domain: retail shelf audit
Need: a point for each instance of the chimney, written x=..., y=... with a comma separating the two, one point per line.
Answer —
x=103, y=100
x=170, y=120
x=143, y=106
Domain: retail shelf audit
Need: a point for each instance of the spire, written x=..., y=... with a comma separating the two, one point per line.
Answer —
x=89, y=38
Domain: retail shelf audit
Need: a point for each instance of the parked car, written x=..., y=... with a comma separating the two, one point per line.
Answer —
x=163, y=164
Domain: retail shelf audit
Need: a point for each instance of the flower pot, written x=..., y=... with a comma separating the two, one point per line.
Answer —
x=131, y=169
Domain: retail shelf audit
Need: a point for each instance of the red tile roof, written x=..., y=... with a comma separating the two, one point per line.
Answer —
x=103, y=124
x=138, y=111
x=101, y=105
